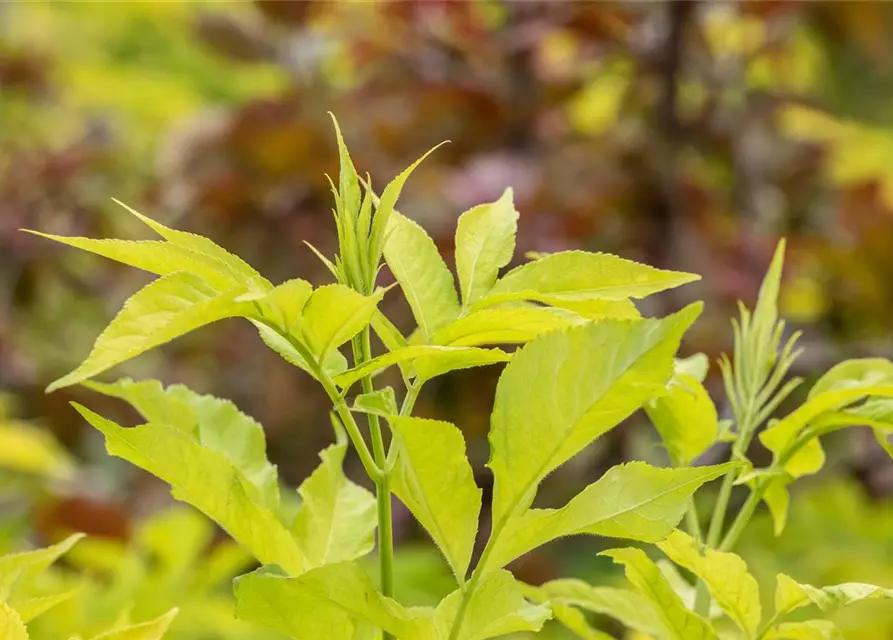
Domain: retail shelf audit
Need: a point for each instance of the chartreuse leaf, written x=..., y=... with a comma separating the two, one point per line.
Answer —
x=331, y=601
x=791, y=595
x=566, y=388
x=685, y=417
x=578, y=275
x=496, y=608
x=151, y=630
x=809, y=630
x=154, y=256
x=633, y=610
x=165, y=309
x=485, y=242
x=337, y=518
x=239, y=270
x=575, y=621
x=212, y=422
x=285, y=303
x=634, y=500
x=429, y=361
x=381, y=402
x=24, y=566
x=11, y=625
x=433, y=478
x=677, y=622
x=18, y=570
x=726, y=576
x=810, y=457
x=512, y=325
x=207, y=480
x=424, y=278
x=333, y=315
x=333, y=364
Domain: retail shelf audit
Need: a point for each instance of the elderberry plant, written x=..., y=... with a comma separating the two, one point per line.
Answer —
x=578, y=359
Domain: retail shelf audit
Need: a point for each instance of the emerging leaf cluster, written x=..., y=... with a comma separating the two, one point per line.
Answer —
x=578, y=360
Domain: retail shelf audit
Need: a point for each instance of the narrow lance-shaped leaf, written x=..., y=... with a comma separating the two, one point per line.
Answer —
x=678, y=622
x=337, y=518
x=634, y=501
x=633, y=610
x=239, y=270
x=726, y=576
x=384, y=208
x=496, y=608
x=205, y=479
x=578, y=275
x=433, y=478
x=430, y=361
x=485, y=242
x=163, y=310
x=424, y=278
x=566, y=388
x=502, y=326
x=212, y=422
x=328, y=602
x=791, y=595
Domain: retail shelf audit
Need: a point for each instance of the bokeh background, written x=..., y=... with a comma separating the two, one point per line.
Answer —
x=689, y=135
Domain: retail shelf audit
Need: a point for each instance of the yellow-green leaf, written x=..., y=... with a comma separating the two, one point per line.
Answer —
x=429, y=361
x=239, y=270
x=678, y=622
x=579, y=275
x=726, y=576
x=501, y=326
x=485, y=242
x=685, y=417
x=334, y=314
x=496, y=608
x=433, y=478
x=165, y=309
x=634, y=501
x=327, y=602
x=212, y=422
x=791, y=595
x=566, y=388
x=633, y=610
x=424, y=278
x=337, y=519
x=208, y=481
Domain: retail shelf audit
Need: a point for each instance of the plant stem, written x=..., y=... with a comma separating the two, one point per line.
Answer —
x=743, y=518
x=362, y=350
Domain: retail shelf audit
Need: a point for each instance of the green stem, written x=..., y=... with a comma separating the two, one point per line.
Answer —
x=363, y=353
x=743, y=518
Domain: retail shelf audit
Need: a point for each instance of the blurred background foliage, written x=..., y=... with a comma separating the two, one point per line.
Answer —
x=689, y=135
